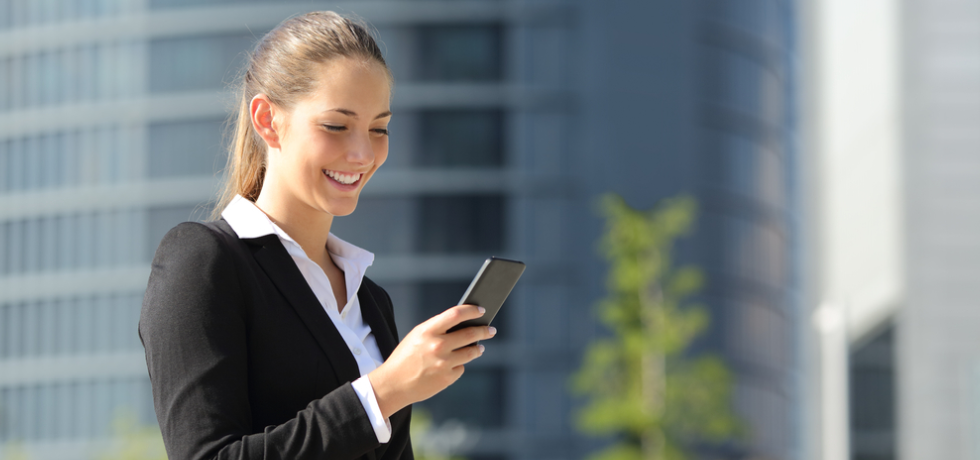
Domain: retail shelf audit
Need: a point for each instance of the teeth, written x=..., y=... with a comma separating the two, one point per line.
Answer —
x=345, y=179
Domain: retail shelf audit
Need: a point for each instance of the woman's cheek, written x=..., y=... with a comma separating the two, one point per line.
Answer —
x=381, y=152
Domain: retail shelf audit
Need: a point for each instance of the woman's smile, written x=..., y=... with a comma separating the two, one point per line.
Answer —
x=343, y=181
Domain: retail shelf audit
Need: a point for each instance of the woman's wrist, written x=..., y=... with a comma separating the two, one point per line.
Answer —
x=389, y=398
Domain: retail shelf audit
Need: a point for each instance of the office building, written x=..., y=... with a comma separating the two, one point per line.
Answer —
x=510, y=118
x=893, y=92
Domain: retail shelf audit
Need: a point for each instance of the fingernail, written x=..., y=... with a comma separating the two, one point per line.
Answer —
x=481, y=348
x=492, y=330
x=482, y=310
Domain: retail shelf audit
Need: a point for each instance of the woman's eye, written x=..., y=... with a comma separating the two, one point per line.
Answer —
x=382, y=131
x=335, y=127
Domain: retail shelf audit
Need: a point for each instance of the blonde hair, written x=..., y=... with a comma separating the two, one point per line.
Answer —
x=282, y=67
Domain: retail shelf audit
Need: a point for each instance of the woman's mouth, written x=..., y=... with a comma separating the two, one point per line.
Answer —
x=344, y=180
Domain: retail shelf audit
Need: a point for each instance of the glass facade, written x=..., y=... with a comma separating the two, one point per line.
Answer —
x=76, y=241
x=186, y=148
x=745, y=137
x=71, y=158
x=873, y=397
x=460, y=53
x=72, y=74
x=461, y=138
x=207, y=62
x=71, y=410
x=27, y=13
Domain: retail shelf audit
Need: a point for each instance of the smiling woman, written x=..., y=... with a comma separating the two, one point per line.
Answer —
x=263, y=337
x=327, y=151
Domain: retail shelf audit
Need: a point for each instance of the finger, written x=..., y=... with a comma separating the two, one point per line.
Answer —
x=453, y=316
x=456, y=373
x=464, y=355
x=468, y=335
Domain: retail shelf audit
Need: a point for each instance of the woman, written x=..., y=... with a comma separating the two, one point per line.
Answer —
x=263, y=337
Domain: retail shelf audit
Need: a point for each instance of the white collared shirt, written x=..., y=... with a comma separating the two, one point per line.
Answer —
x=248, y=221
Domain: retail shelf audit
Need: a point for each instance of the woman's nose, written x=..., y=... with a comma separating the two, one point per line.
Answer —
x=360, y=151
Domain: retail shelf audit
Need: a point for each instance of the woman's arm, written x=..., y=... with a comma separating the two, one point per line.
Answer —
x=193, y=326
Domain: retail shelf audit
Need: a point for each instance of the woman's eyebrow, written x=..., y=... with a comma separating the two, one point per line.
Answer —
x=353, y=114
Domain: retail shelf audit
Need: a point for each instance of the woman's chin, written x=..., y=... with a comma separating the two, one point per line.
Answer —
x=340, y=209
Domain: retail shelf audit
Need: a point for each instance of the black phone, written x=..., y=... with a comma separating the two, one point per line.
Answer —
x=489, y=289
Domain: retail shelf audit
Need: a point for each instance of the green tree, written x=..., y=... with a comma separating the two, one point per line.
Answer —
x=641, y=384
x=421, y=432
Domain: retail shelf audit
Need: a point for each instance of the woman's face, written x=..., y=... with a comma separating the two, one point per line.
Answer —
x=333, y=140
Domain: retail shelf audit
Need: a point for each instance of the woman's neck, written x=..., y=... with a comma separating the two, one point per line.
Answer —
x=307, y=226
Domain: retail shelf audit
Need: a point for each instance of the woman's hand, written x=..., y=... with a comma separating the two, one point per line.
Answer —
x=428, y=360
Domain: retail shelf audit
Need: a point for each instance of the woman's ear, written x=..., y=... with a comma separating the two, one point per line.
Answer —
x=263, y=112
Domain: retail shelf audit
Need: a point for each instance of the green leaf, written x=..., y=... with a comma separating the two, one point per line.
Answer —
x=682, y=398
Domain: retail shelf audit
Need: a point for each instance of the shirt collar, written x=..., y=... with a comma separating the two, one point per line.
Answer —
x=248, y=221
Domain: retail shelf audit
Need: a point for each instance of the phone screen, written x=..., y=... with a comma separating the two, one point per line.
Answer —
x=490, y=288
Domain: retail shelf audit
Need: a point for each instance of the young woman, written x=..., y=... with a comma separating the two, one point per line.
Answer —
x=263, y=337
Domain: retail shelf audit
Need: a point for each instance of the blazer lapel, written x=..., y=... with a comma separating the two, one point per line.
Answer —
x=371, y=312
x=279, y=266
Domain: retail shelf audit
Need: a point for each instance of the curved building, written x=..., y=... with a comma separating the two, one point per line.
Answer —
x=747, y=160
x=697, y=98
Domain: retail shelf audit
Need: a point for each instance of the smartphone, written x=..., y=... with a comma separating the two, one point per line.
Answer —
x=489, y=288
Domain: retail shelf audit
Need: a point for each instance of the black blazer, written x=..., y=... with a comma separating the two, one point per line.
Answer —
x=245, y=363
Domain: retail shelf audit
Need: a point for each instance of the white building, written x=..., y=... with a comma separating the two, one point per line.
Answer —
x=893, y=101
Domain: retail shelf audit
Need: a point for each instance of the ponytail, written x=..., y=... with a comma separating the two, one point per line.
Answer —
x=246, y=163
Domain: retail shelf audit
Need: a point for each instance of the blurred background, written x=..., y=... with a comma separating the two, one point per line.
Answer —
x=832, y=147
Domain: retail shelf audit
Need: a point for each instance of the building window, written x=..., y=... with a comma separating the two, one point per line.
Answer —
x=382, y=225
x=461, y=53
x=162, y=4
x=93, y=156
x=197, y=63
x=476, y=399
x=746, y=87
x=462, y=223
x=872, y=393
x=461, y=138
x=87, y=72
x=6, y=76
x=186, y=148
x=60, y=410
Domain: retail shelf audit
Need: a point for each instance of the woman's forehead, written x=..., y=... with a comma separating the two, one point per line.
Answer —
x=352, y=80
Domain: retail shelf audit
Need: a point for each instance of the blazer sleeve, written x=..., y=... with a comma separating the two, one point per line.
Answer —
x=193, y=326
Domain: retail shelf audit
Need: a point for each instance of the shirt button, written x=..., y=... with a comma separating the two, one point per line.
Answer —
x=357, y=351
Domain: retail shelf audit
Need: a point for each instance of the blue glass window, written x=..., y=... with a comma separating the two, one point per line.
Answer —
x=186, y=148
x=461, y=138
x=462, y=223
x=461, y=53
x=380, y=224
x=476, y=399
x=161, y=4
x=6, y=15
x=197, y=63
